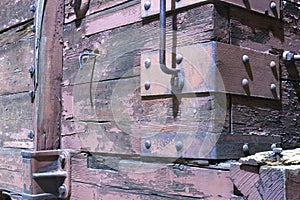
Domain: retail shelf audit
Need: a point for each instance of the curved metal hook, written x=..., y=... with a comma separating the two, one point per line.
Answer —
x=85, y=53
x=162, y=49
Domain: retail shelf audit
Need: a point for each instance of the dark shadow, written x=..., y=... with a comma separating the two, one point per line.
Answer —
x=80, y=11
x=248, y=70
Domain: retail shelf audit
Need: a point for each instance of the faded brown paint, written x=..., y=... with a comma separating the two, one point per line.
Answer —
x=48, y=101
x=15, y=61
x=153, y=178
x=14, y=13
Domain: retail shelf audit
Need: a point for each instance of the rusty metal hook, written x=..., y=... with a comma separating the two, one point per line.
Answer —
x=85, y=53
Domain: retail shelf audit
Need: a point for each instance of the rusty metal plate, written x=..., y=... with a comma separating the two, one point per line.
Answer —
x=268, y=7
x=214, y=67
x=204, y=145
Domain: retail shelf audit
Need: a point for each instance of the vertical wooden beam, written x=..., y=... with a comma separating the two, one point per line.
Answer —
x=49, y=75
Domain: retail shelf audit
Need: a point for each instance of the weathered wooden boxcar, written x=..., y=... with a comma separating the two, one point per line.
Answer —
x=149, y=99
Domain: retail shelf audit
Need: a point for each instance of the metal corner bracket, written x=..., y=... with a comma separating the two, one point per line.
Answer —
x=47, y=174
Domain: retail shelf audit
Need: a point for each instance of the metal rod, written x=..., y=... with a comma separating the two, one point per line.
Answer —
x=162, y=48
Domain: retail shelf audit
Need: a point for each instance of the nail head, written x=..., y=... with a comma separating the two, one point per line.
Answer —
x=273, y=86
x=245, y=82
x=147, y=144
x=179, y=145
x=147, y=62
x=273, y=5
x=272, y=64
x=147, y=85
x=245, y=59
x=147, y=5
x=179, y=58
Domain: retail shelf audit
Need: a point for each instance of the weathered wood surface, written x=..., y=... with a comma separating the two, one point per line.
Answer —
x=14, y=13
x=16, y=120
x=15, y=59
x=135, y=179
x=11, y=170
x=48, y=97
x=77, y=10
x=265, y=183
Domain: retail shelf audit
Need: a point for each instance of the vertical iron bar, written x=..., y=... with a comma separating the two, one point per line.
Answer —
x=162, y=47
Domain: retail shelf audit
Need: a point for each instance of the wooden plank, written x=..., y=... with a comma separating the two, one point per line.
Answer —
x=73, y=11
x=260, y=117
x=48, y=105
x=14, y=13
x=11, y=170
x=129, y=15
x=253, y=5
x=292, y=183
x=266, y=183
x=114, y=112
x=15, y=60
x=141, y=178
x=16, y=120
x=214, y=67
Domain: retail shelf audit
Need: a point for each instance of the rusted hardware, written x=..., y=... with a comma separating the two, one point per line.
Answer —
x=177, y=80
x=277, y=153
x=30, y=134
x=214, y=67
x=32, y=8
x=270, y=8
x=85, y=53
x=203, y=145
x=289, y=56
x=32, y=28
x=46, y=174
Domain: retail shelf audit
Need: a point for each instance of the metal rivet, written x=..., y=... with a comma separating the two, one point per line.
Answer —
x=30, y=134
x=273, y=5
x=181, y=167
x=62, y=190
x=272, y=64
x=179, y=145
x=147, y=144
x=31, y=93
x=147, y=5
x=147, y=62
x=62, y=160
x=31, y=70
x=245, y=59
x=273, y=86
x=245, y=82
x=147, y=85
x=179, y=58
x=32, y=28
x=32, y=8
x=246, y=148
x=273, y=146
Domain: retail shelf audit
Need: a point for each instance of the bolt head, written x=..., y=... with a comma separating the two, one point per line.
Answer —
x=245, y=148
x=179, y=58
x=32, y=28
x=30, y=134
x=147, y=85
x=245, y=59
x=245, y=82
x=147, y=144
x=273, y=86
x=147, y=5
x=272, y=64
x=272, y=5
x=31, y=70
x=31, y=93
x=277, y=150
x=62, y=190
x=181, y=167
x=147, y=62
x=179, y=145
x=287, y=55
x=32, y=8
x=273, y=146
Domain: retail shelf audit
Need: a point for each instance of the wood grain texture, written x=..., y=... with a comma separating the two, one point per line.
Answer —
x=74, y=11
x=11, y=170
x=141, y=178
x=292, y=183
x=14, y=13
x=263, y=183
x=15, y=59
x=47, y=103
x=16, y=120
